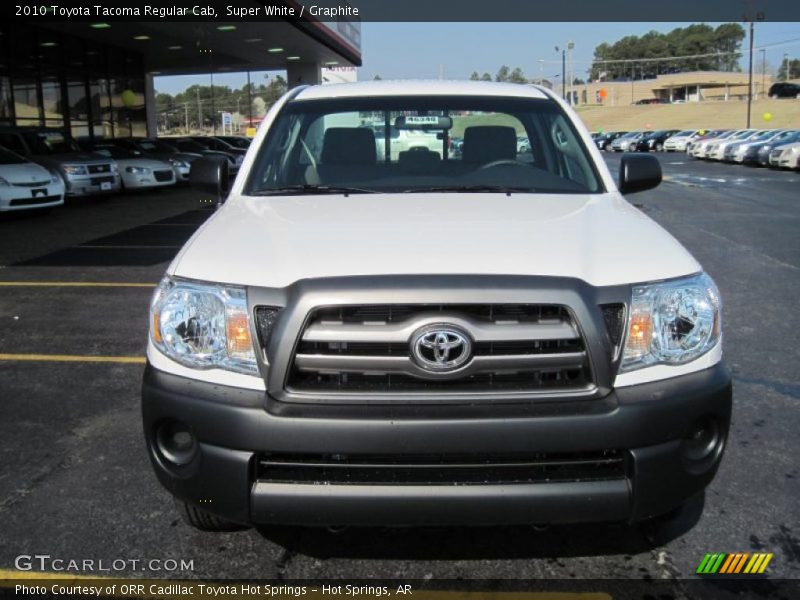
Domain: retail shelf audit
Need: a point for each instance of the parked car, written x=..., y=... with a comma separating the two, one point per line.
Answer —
x=784, y=89
x=625, y=143
x=217, y=145
x=765, y=149
x=542, y=368
x=653, y=141
x=706, y=135
x=678, y=141
x=160, y=150
x=237, y=141
x=137, y=170
x=736, y=151
x=188, y=145
x=784, y=156
x=716, y=150
x=603, y=141
x=83, y=173
x=25, y=185
x=700, y=148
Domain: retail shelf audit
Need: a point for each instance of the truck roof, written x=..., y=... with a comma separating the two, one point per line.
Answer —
x=432, y=87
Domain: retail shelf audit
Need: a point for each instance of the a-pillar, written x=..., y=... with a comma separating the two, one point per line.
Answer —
x=303, y=73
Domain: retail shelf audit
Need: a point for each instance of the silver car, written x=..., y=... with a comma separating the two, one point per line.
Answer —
x=83, y=173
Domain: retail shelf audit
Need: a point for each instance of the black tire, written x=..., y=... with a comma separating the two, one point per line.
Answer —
x=659, y=147
x=203, y=520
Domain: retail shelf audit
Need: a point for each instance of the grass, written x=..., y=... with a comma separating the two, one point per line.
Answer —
x=785, y=113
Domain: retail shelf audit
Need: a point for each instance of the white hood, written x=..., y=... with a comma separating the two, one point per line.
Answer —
x=275, y=241
x=24, y=173
x=143, y=163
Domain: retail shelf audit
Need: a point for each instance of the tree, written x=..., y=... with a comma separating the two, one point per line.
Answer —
x=259, y=107
x=632, y=56
x=517, y=76
x=502, y=74
x=474, y=76
x=793, y=70
x=377, y=78
x=486, y=77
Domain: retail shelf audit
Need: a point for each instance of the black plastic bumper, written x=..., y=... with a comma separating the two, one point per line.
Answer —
x=649, y=423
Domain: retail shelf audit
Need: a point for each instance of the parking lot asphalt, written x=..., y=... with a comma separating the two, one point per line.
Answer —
x=75, y=481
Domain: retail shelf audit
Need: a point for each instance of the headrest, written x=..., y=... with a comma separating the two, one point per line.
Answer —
x=348, y=146
x=487, y=143
x=419, y=160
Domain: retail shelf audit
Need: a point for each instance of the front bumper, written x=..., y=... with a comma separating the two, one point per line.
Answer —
x=234, y=428
x=86, y=185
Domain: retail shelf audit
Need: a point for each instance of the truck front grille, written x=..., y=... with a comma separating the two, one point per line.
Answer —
x=370, y=349
x=441, y=470
x=94, y=169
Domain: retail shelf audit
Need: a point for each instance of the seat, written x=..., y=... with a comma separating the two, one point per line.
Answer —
x=348, y=146
x=487, y=143
x=348, y=154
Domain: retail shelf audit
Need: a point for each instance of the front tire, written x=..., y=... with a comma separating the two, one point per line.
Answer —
x=204, y=520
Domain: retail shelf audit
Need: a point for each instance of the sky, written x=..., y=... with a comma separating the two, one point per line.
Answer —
x=424, y=50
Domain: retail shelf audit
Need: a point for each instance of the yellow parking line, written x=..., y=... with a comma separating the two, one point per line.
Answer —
x=139, y=360
x=73, y=284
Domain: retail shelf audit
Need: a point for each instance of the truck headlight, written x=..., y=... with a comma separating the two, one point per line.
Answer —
x=203, y=325
x=672, y=322
x=75, y=169
x=137, y=170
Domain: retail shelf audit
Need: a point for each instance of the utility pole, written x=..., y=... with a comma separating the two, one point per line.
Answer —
x=570, y=46
x=213, y=114
x=633, y=76
x=199, y=110
x=764, y=71
x=186, y=116
x=563, y=72
x=786, y=66
x=750, y=78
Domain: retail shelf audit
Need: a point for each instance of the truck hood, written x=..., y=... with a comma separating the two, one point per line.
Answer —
x=275, y=241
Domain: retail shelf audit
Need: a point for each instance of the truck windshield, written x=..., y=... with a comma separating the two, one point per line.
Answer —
x=422, y=144
x=50, y=142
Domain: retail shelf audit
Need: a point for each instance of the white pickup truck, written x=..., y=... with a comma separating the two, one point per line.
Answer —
x=427, y=339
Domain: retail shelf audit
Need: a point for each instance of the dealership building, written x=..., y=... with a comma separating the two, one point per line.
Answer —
x=95, y=78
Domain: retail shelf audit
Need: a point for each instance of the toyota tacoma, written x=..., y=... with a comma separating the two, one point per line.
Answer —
x=365, y=337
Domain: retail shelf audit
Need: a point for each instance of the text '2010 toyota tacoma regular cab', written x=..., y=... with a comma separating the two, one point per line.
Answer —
x=362, y=337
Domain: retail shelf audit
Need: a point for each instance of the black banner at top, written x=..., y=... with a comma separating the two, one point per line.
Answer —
x=406, y=10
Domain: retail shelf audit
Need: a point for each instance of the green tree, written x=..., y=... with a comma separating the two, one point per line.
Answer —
x=502, y=74
x=474, y=76
x=517, y=76
x=486, y=77
x=792, y=72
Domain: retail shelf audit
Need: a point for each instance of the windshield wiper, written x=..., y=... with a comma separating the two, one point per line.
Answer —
x=309, y=189
x=500, y=189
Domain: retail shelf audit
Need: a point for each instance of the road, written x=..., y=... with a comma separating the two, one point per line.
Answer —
x=76, y=482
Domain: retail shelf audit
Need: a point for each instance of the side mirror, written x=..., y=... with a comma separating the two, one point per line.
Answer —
x=638, y=172
x=210, y=175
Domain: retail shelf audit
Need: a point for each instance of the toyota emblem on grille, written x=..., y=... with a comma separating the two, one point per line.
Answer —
x=441, y=348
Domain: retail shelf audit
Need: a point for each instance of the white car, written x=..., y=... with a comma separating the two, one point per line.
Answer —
x=677, y=142
x=785, y=156
x=24, y=185
x=136, y=171
x=716, y=150
x=432, y=340
x=700, y=148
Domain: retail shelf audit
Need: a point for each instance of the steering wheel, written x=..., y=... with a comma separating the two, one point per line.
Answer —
x=510, y=162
